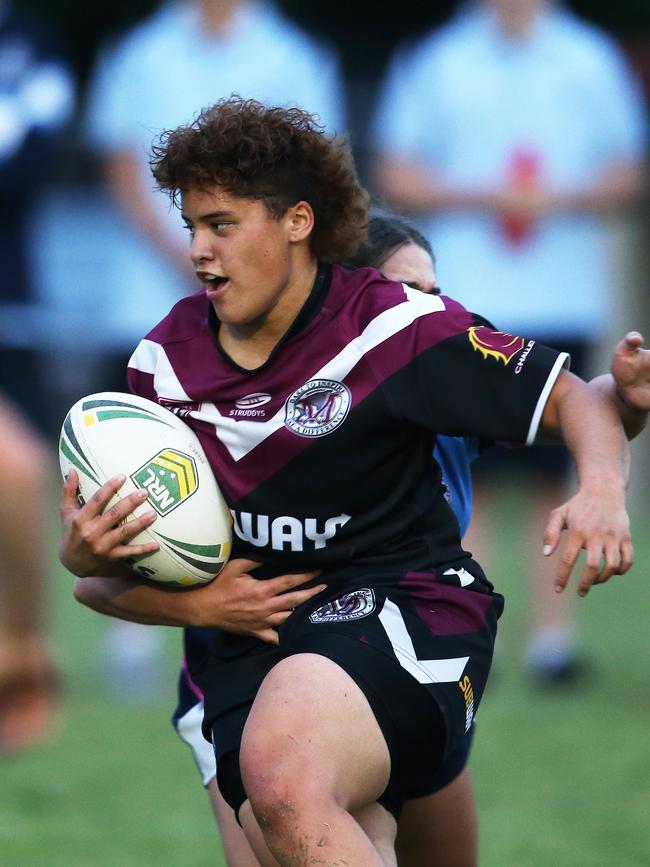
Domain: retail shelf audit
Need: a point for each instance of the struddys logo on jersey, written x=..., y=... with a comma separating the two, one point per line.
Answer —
x=495, y=344
x=170, y=478
x=352, y=606
x=317, y=408
x=250, y=405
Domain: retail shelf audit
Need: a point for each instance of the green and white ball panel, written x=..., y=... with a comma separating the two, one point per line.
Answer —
x=111, y=433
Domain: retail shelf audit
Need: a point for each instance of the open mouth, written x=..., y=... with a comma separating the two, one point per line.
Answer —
x=213, y=284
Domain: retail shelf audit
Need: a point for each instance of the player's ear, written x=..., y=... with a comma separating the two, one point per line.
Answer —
x=300, y=221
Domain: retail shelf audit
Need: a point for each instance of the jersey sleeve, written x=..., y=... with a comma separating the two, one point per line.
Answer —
x=463, y=378
x=142, y=369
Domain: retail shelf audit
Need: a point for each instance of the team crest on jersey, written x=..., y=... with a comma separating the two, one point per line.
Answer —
x=352, y=606
x=495, y=344
x=317, y=408
x=170, y=477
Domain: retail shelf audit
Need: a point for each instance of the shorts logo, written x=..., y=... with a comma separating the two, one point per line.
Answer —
x=317, y=408
x=352, y=606
x=170, y=477
x=495, y=344
x=468, y=694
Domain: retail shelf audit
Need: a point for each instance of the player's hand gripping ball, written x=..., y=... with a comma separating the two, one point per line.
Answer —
x=109, y=434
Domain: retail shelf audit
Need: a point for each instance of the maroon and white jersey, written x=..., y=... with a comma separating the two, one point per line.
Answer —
x=324, y=452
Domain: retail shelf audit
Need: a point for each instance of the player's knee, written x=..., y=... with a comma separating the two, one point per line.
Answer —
x=277, y=787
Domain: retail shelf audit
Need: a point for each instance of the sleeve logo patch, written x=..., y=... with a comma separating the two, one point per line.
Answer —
x=495, y=344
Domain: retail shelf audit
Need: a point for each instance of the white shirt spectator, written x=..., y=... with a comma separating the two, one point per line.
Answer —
x=467, y=102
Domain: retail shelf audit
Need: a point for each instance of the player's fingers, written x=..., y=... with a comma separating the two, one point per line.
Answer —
x=572, y=548
x=627, y=556
x=297, y=597
x=287, y=582
x=241, y=565
x=270, y=636
x=128, y=530
x=612, y=565
x=123, y=552
x=119, y=511
x=102, y=497
x=632, y=340
x=69, y=499
x=591, y=572
x=553, y=530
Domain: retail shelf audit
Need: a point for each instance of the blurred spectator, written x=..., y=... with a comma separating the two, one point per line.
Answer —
x=181, y=59
x=184, y=57
x=512, y=131
x=36, y=100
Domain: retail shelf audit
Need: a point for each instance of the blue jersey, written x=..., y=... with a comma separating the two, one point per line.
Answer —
x=455, y=454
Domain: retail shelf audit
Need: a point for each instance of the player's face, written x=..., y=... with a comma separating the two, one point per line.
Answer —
x=411, y=264
x=243, y=256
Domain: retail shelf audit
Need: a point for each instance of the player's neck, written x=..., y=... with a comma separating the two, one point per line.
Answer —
x=250, y=345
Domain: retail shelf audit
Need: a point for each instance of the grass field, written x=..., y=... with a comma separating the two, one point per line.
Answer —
x=563, y=780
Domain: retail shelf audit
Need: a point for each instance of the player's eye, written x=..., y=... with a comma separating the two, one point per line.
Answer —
x=189, y=228
x=219, y=226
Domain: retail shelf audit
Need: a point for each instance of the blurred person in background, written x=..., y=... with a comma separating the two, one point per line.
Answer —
x=185, y=55
x=36, y=101
x=511, y=133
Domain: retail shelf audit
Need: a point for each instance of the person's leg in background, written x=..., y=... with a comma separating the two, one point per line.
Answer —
x=28, y=680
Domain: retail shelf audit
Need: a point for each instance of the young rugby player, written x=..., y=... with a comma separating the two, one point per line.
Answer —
x=375, y=680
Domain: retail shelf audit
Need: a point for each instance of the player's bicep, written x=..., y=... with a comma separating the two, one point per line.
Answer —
x=481, y=382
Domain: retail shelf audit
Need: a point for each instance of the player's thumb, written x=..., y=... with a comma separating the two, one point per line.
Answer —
x=553, y=530
x=632, y=341
x=269, y=636
x=69, y=494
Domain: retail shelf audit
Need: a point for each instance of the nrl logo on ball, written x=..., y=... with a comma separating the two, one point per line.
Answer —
x=170, y=478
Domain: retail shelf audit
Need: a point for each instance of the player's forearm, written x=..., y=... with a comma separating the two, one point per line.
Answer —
x=592, y=431
x=634, y=420
x=136, y=600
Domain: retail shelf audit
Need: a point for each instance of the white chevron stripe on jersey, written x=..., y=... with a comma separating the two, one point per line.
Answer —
x=150, y=357
x=241, y=436
x=145, y=356
x=423, y=670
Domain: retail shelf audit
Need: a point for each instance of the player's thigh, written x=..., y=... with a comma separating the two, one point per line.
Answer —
x=311, y=722
x=440, y=829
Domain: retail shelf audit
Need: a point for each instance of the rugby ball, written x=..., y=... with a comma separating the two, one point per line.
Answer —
x=110, y=433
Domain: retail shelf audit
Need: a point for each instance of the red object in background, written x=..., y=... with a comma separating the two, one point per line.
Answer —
x=523, y=174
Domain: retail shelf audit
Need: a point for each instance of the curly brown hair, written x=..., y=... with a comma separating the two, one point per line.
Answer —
x=279, y=156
